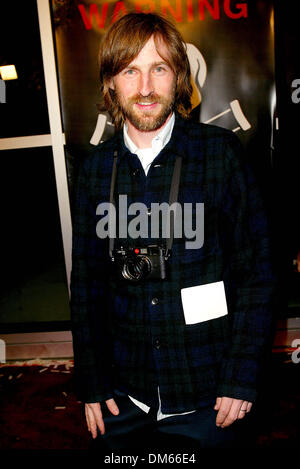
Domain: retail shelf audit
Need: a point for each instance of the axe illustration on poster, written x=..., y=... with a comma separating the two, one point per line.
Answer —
x=199, y=73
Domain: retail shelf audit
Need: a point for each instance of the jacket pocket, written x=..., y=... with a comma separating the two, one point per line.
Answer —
x=206, y=346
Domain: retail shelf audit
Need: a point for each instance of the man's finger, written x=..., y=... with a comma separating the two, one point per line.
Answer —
x=99, y=420
x=87, y=418
x=224, y=408
x=91, y=423
x=249, y=406
x=218, y=403
x=94, y=418
x=228, y=411
x=233, y=412
x=243, y=410
x=112, y=406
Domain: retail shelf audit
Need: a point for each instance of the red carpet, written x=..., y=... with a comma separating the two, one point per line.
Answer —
x=39, y=409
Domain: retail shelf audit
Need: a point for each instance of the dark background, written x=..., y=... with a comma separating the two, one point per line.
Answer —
x=33, y=288
x=285, y=195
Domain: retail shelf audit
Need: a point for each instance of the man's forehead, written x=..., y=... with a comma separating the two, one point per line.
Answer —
x=154, y=50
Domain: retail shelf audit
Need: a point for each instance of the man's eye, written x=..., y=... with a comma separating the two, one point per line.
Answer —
x=130, y=72
x=160, y=70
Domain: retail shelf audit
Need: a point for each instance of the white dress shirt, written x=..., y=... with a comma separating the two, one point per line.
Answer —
x=147, y=155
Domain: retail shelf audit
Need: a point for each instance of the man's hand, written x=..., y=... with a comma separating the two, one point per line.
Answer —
x=230, y=410
x=94, y=418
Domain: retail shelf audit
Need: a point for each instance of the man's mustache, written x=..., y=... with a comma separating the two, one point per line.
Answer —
x=151, y=98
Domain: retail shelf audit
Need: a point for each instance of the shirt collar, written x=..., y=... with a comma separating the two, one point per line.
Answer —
x=159, y=141
x=178, y=144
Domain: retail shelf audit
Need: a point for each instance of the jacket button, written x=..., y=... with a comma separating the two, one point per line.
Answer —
x=157, y=344
x=154, y=301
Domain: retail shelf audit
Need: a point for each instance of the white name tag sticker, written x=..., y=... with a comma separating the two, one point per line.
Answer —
x=204, y=302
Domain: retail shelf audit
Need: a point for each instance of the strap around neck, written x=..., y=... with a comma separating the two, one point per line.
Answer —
x=172, y=199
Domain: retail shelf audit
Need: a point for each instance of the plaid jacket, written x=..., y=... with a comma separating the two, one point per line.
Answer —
x=134, y=337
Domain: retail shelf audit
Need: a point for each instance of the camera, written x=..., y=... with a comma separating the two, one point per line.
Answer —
x=140, y=263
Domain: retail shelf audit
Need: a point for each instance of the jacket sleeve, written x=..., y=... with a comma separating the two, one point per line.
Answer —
x=89, y=312
x=249, y=275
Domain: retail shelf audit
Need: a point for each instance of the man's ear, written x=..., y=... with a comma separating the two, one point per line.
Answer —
x=111, y=84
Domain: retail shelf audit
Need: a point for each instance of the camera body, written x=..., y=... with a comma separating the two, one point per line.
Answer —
x=139, y=263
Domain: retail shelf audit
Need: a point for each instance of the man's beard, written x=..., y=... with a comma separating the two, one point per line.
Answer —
x=146, y=120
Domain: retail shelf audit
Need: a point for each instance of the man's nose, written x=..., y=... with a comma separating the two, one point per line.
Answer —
x=145, y=84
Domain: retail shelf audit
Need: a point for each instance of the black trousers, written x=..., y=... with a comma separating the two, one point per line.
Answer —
x=135, y=431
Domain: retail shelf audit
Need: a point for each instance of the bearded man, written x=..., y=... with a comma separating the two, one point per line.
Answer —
x=168, y=340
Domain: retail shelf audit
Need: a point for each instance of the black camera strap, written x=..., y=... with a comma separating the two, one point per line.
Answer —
x=172, y=199
x=112, y=198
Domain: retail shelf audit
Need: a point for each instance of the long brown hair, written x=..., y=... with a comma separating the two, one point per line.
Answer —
x=121, y=45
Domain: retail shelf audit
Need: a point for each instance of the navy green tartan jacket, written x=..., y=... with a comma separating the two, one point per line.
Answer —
x=121, y=338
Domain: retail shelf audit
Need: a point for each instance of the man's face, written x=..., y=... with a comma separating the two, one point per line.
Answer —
x=145, y=90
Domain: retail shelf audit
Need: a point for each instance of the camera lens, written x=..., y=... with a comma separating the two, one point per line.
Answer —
x=136, y=268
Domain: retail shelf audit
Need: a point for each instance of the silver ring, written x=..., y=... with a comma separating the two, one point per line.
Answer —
x=241, y=410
